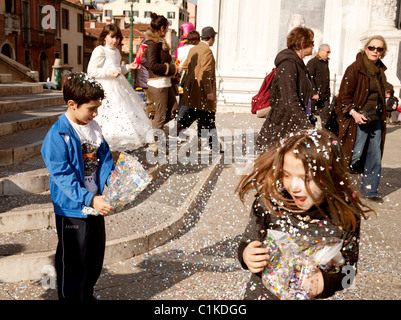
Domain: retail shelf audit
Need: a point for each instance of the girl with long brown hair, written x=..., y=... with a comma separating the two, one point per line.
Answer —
x=303, y=189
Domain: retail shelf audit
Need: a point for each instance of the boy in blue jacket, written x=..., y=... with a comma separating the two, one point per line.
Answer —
x=80, y=164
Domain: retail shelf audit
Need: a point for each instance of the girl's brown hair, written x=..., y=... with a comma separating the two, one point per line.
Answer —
x=158, y=21
x=193, y=38
x=321, y=155
x=111, y=29
x=300, y=37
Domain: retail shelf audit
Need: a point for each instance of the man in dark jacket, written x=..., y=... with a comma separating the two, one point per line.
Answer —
x=318, y=68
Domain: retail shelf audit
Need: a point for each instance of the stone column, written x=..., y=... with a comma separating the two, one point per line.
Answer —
x=382, y=22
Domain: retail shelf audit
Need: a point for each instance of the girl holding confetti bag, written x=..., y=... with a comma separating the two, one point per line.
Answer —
x=302, y=239
x=122, y=117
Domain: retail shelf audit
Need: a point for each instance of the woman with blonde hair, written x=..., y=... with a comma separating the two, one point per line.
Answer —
x=361, y=115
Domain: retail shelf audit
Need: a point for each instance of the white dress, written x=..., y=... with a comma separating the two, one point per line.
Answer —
x=124, y=122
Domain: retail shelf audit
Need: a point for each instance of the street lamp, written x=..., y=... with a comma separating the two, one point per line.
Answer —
x=131, y=36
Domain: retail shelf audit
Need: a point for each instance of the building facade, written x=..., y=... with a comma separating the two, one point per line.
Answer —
x=36, y=33
x=176, y=11
x=251, y=33
x=25, y=38
x=72, y=35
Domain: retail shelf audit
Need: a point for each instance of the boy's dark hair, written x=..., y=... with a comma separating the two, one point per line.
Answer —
x=81, y=88
x=113, y=30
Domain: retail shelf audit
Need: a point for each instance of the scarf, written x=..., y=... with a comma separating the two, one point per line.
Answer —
x=149, y=35
x=376, y=73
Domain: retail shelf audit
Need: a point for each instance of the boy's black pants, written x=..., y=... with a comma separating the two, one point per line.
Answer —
x=79, y=255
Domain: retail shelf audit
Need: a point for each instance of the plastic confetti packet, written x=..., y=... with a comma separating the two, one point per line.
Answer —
x=140, y=53
x=127, y=180
x=295, y=256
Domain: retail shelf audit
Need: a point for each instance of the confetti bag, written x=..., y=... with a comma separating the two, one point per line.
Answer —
x=127, y=180
x=294, y=256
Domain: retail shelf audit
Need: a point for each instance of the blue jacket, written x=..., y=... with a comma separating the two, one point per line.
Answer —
x=66, y=167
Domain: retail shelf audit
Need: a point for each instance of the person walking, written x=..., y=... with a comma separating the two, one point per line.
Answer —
x=161, y=69
x=186, y=28
x=318, y=68
x=192, y=39
x=391, y=104
x=361, y=115
x=200, y=89
x=291, y=91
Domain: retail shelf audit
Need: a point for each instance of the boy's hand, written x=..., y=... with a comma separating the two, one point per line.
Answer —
x=100, y=205
x=255, y=257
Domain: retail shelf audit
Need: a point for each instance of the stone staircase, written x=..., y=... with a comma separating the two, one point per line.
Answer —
x=26, y=113
x=28, y=237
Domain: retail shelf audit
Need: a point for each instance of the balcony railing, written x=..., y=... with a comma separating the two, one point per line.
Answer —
x=34, y=37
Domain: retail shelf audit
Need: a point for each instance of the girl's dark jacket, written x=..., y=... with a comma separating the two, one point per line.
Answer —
x=261, y=219
x=353, y=94
x=289, y=96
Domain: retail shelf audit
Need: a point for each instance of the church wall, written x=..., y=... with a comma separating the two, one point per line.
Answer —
x=252, y=32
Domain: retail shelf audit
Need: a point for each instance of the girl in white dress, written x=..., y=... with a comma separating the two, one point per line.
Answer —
x=124, y=123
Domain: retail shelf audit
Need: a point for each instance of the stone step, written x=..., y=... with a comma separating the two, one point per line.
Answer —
x=157, y=215
x=29, y=101
x=31, y=176
x=20, y=88
x=21, y=146
x=14, y=122
x=26, y=177
x=25, y=202
x=6, y=78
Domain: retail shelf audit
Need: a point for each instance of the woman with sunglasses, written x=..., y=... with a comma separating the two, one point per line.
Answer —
x=361, y=115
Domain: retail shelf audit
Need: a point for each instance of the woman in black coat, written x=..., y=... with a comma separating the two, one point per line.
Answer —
x=291, y=90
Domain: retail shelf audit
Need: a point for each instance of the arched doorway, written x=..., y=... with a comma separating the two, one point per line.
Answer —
x=7, y=50
x=43, y=67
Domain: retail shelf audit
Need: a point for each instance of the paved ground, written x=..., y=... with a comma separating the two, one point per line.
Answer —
x=200, y=263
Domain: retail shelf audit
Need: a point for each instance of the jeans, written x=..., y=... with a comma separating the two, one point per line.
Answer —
x=368, y=140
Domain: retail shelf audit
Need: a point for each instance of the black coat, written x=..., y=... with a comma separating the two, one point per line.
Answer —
x=318, y=69
x=289, y=96
x=261, y=219
x=389, y=105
